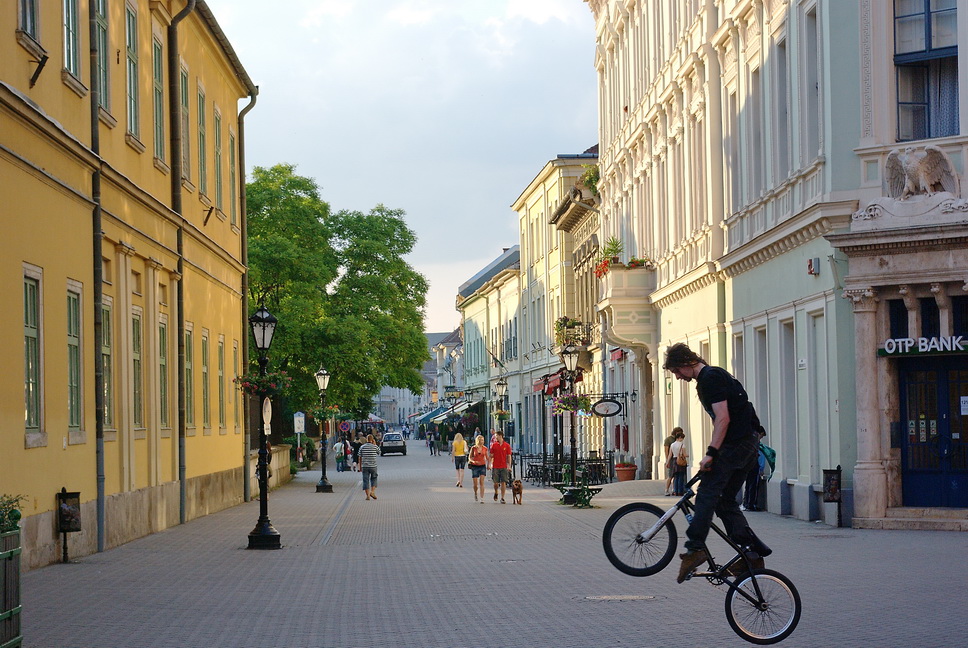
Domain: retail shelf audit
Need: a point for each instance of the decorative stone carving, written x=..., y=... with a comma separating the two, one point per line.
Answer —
x=910, y=172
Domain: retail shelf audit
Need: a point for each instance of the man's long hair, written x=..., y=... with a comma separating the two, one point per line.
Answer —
x=680, y=355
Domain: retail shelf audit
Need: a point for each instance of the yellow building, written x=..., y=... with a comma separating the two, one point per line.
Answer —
x=123, y=256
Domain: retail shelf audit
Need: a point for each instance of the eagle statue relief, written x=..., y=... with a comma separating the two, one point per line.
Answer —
x=910, y=173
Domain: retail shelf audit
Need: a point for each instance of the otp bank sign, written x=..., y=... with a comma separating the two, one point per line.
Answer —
x=910, y=346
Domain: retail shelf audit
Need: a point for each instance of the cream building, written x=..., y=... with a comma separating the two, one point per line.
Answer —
x=120, y=167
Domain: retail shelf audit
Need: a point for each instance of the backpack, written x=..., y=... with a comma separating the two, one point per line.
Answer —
x=770, y=455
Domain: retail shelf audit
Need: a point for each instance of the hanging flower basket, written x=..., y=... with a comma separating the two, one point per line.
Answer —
x=470, y=419
x=502, y=415
x=271, y=384
x=571, y=403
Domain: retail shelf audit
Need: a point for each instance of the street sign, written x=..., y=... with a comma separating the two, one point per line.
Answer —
x=344, y=426
x=266, y=410
x=299, y=423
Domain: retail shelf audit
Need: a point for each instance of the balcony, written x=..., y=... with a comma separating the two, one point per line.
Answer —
x=628, y=318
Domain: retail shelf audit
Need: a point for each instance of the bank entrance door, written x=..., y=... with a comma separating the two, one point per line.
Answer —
x=934, y=419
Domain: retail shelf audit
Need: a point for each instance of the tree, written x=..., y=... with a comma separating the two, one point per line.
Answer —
x=339, y=286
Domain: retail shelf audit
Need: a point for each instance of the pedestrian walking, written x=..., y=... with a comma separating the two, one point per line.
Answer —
x=369, y=451
x=431, y=443
x=678, y=462
x=730, y=456
x=666, y=444
x=355, y=446
x=500, y=452
x=478, y=461
x=460, y=457
x=339, y=453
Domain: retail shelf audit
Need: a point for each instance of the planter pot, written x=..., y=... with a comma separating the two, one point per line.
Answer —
x=10, y=591
x=625, y=474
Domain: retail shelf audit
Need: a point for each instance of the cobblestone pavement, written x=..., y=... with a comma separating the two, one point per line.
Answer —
x=425, y=566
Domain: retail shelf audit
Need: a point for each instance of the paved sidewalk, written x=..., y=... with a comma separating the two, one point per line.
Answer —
x=426, y=566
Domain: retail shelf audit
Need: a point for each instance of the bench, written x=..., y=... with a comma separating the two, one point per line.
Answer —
x=578, y=495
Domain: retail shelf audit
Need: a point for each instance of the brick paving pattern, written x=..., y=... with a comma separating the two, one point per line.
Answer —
x=425, y=566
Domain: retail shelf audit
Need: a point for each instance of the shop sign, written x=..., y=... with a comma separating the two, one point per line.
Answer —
x=923, y=345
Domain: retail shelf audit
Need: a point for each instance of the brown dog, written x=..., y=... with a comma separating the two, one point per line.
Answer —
x=517, y=490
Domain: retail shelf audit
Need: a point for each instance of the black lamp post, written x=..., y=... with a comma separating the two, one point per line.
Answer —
x=501, y=389
x=569, y=355
x=263, y=536
x=322, y=381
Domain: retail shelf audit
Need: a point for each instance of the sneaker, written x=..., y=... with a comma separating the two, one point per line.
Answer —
x=742, y=507
x=690, y=560
x=738, y=568
x=495, y=497
x=502, y=500
x=475, y=497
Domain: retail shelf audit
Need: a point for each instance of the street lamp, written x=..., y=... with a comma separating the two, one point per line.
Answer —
x=322, y=381
x=263, y=536
x=501, y=389
x=569, y=355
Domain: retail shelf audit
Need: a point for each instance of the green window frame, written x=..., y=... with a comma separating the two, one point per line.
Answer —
x=206, y=391
x=73, y=360
x=32, y=346
x=202, y=167
x=189, y=379
x=131, y=67
x=233, y=182
x=158, y=96
x=137, y=377
x=217, y=126
x=103, y=52
x=235, y=392
x=163, y=374
x=221, y=383
x=72, y=44
x=107, y=366
x=186, y=149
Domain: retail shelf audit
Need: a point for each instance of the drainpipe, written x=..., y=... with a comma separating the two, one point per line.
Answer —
x=174, y=120
x=98, y=278
x=243, y=208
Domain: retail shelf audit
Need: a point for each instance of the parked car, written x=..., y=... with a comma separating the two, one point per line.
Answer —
x=393, y=442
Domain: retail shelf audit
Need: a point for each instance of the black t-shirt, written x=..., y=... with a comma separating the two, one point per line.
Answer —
x=714, y=385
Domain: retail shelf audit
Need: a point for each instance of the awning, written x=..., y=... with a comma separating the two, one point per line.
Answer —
x=426, y=417
x=456, y=408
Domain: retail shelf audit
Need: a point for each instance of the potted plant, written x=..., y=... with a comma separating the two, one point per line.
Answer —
x=570, y=331
x=625, y=471
x=641, y=262
x=608, y=255
x=271, y=384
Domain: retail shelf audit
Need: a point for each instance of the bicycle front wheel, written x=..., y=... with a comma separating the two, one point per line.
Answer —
x=767, y=620
x=625, y=547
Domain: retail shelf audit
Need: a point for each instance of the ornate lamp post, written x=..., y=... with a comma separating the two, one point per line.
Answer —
x=263, y=536
x=569, y=355
x=501, y=389
x=322, y=381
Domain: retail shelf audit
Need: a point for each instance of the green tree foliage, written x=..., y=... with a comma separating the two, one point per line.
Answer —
x=340, y=288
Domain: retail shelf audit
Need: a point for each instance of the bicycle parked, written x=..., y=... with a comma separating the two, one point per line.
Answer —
x=762, y=605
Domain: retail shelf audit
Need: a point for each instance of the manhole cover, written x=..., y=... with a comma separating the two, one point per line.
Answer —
x=621, y=597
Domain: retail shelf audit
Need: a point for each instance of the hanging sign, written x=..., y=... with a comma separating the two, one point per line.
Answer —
x=266, y=410
x=299, y=423
x=607, y=407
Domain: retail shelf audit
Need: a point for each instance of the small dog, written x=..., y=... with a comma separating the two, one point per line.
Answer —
x=517, y=490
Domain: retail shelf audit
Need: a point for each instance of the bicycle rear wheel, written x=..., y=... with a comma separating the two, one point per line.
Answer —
x=774, y=618
x=626, y=549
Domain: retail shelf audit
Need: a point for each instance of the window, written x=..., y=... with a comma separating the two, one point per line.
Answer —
x=163, y=373
x=158, y=97
x=32, y=353
x=232, y=179
x=131, y=54
x=202, y=171
x=186, y=149
x=137, y=379
x=926, y=61
x=107, y=368
x=72, y=44
x=103, y=68
x=221, y=383
x=206, y=405
x=73, y=360
x=217, y=124
x=28, y=18
x=811, y=89
x=189, y=380
x=235, y=392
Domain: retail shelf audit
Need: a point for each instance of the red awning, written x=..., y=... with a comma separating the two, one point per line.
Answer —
x=618, y=354
x=538, y=385
x=554, y=380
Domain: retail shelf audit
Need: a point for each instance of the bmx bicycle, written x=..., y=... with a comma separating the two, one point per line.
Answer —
x=762, y=605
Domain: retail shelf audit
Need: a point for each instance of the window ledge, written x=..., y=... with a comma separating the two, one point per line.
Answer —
x=30, y=44
x=140, y=433
x=106, y=118
x=73, y=83
x=207, y=431
x=131, y=140
x=35, y=439
x=187, y=184
x=161, y=166
x=76, y=437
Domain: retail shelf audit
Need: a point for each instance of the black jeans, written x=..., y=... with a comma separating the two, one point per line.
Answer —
x=717, y=494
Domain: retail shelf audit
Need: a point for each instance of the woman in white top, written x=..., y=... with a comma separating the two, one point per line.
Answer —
x=677, y=449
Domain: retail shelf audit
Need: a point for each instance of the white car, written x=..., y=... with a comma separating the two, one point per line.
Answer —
x=393, y=442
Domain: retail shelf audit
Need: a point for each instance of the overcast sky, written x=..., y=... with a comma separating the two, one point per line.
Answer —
x=446, y=109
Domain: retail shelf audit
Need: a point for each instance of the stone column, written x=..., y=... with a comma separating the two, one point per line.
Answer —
x=870, y=476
